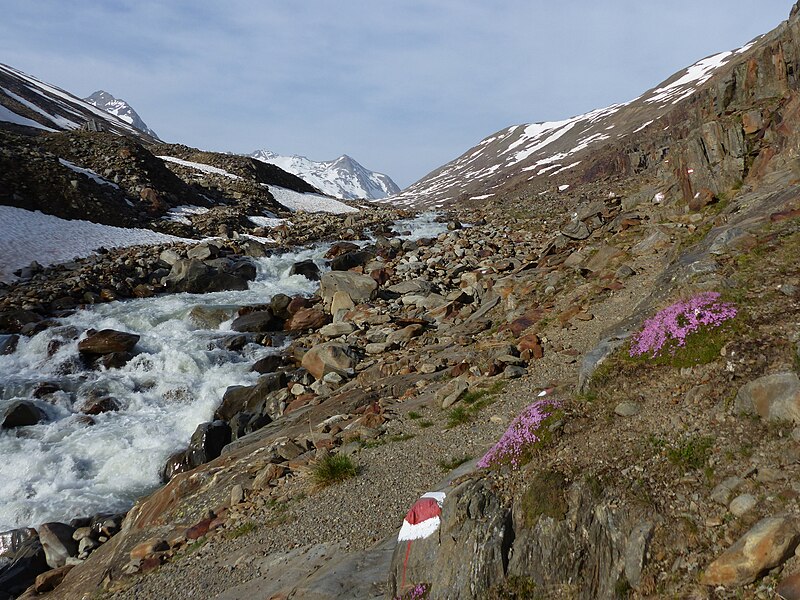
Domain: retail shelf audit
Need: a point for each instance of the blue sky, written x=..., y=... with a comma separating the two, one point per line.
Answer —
x=403, y=86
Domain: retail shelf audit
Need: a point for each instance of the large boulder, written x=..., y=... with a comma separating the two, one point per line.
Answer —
x=307, y=318
x=359, y=288
x=107, y=341
x=21, y=414
x=206, y=444
x=56, y=539
x=196, y=277
x=26, y=564
x=249, y=398
x=306, y=268
x=773, y=397
x=765, y=546
x=330, y=357
x=258, y=321
x=349, y=260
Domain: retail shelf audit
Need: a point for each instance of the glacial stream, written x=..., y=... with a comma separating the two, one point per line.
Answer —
x=66, y=467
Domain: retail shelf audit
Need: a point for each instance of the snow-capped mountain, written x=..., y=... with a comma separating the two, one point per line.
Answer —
x=342, y=178
x=561, y=150
x=119, y=108
x=33, y=104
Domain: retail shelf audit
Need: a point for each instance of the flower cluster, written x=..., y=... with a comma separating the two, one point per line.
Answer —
x=418, y=592
x=672, y=325
x=518, y=438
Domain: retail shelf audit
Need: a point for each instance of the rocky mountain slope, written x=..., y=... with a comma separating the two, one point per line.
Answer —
x=119, y=108
x=666, y=474
x=342, y=178
x=27, y=103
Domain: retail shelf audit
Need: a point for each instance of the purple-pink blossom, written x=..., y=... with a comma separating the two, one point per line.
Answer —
x=520, y=436
x=672, y=325
x=418, y=592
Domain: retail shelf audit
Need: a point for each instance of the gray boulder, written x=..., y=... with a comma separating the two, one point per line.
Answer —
x=360, y=288
x=58, y=544
x=772, y=397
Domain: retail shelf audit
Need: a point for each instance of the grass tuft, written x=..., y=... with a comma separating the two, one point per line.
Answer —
x=333, y=468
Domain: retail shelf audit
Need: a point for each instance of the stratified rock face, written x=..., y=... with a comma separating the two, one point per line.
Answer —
x=708, y=127
x=578, y=545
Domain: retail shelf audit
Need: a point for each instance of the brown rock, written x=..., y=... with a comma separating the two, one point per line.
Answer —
x=297, y=303
x=199, y=529
x=701, y=199
x=307, y=318
x=330, y=357
x=532, y=343
x=768, y=544
x=50, y=580
x=107, y=341
x=151, y=546
x=789, y=588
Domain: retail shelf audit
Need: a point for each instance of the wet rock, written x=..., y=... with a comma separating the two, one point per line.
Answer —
x=12, y=540
x=58, y=543
x=209, y=316
x=306, y=268
x=250, y=398
x=95, y=406
x=8, y=344
x=206, y=444
x=107, y=341
x=350, y=260
x=329, y=357
x=195, y=277
x=269, y=364
x=773, y=397
x=26, y=564
x=766, y=545
x=12, y=321
x=259, y=321
x=21, y=413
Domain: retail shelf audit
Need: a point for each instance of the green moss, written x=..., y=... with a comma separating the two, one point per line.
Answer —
x=459, y=415
x=516, y=588
x=472, y=403
x=544, y=497
x=414, y=415
x=425, y=424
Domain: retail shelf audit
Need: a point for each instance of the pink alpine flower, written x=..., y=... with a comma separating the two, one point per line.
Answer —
x=672, y=325
x=520, y=436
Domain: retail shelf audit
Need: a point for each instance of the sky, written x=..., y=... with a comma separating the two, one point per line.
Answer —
x=401, y=86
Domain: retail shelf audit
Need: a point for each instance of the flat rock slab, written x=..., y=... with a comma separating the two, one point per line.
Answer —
x=768, y=544
x=107, y=341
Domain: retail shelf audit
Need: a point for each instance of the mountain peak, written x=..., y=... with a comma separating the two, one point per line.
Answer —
x=342, y=178
x=119, y=108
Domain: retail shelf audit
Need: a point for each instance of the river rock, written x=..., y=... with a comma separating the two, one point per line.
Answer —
x=195, y=277
x=329, y=357
x=50, y=580
x=8, y=344
x=58, y=543
x=269, y=364
x=12, y=321
x=203, y=251
x=249, y=398
x=12, y=540
x=21, y=413
x=360, y=288
x=107, y=341
x=95, y=405
x=333, y=330
x=209, y=316
x=772, y=397
x=349, y=260
x=26, y=564
x=307, y=318
x=206, y=444
x=259, y=321
x=766, y=545
x=306, y=268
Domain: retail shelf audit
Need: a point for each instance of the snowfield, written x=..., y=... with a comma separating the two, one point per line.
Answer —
x=26, y=236
x=297, y=202
x=199, y=167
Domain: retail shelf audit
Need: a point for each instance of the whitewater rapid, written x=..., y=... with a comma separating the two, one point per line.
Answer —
x=66, y=468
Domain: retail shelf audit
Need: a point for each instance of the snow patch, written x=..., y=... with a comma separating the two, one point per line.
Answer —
x=87, y=173
x=297, y=202
x=199, y=167
x=181, y=214
x=26, y=236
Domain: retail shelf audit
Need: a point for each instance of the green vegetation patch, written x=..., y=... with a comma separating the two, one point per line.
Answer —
x=333, y=468
x=544, y=497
